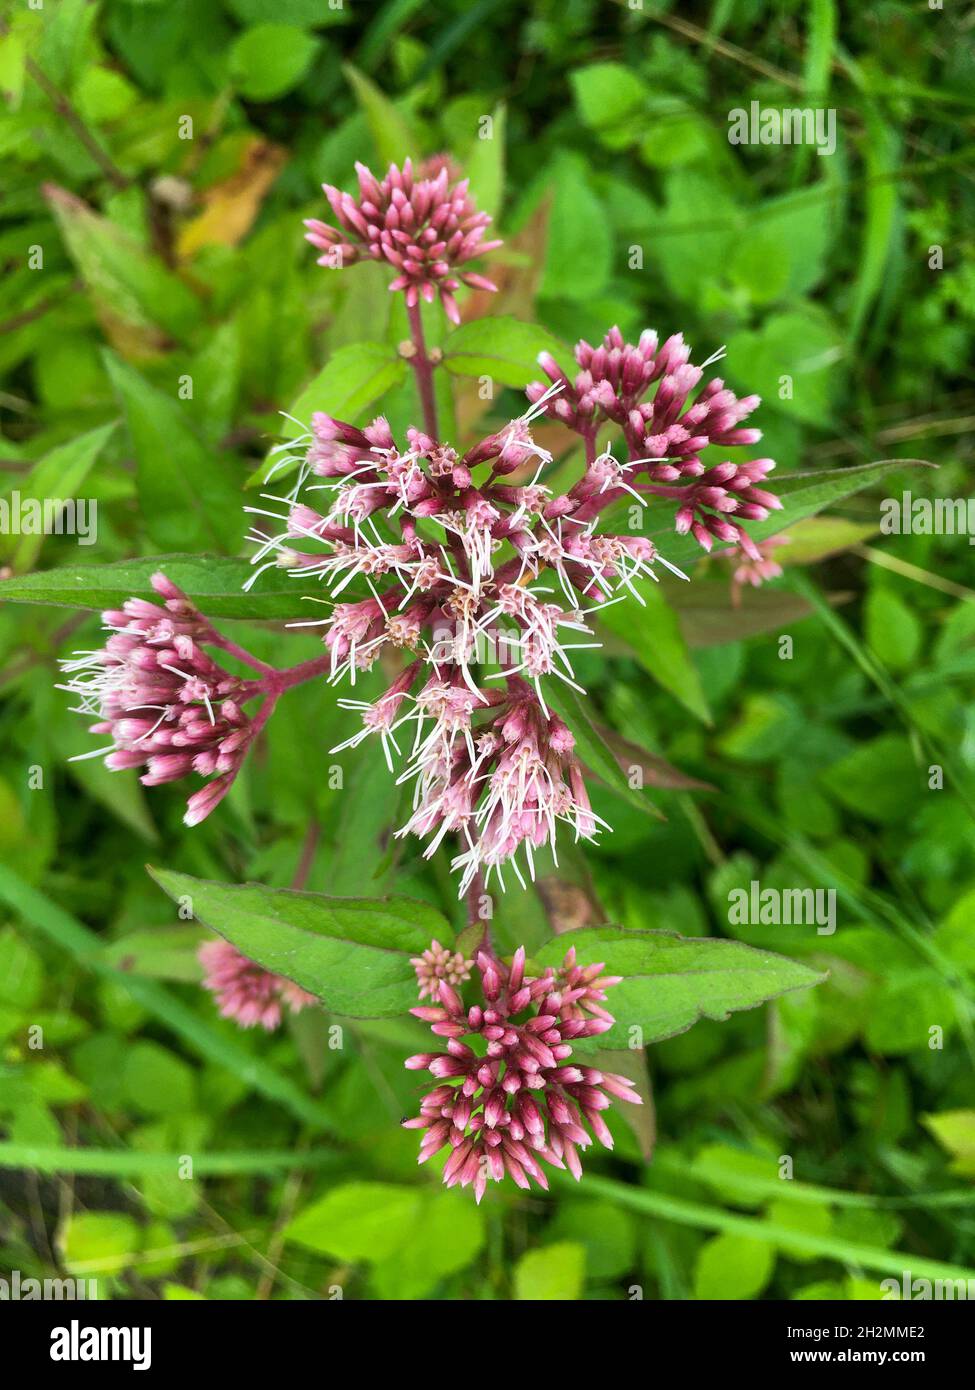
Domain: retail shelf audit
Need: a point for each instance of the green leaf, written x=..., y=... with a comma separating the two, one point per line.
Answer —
x=270, y=59
x=352, y=380
x=391, y=132
x=21, y=971
x=138, y=300
x=358, y=1221
x=955, y=1131
x=670, y=981
x=893, y=631
x=59, y=474
x=187, y=496
x=413, y=1236
x=878, y=779
x=553, y=1272
x=214, y=581
x=791, y=361
x=485, y=166
x=212, y=1043
x=352, y=953
x=580, y=248
x=99, y=1242
x=653, y=633
x=610, y=96
x=502, y=348
x=733, y=1267
x=156, y=1081
x=700, y=225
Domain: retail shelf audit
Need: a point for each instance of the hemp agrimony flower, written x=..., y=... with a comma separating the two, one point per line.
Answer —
x=420, y=222
x=509, y=1096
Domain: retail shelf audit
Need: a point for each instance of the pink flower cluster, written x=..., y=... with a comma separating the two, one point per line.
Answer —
x=168, y=706
x=466, y=560
x=514, y=1099
x=420, y=222
x=246, y=992
x=490, y=762
x=436, y=966
x=666, y=434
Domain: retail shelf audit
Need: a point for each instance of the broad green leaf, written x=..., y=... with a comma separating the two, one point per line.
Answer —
x=580, y=247
x=139, y=301
x=502, y=348
x=878, y=780
x=700, y=225
x=413, y=1236
x=99, y=1242
x=788, y=239
x=554, y=1272
x=893, y=631
x=610, y=97
x=270, y=59
x=671, y=981
x=352, y=953
x=187, y=494
x=448, y=1235
x=733, y=1267
x=604, y=1232
x=352, y=380
x=792, y=361
x=214, y=581
x=653, y=633
x=213, y=1043
x=156, y=1081
x=955, y=1131
x=358, y=1221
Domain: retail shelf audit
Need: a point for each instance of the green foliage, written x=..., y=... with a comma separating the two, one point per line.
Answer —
x=165, y=328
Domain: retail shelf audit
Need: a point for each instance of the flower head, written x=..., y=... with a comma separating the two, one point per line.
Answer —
x=457, y=566
x=245, y=991
x=756, y=572
x=419, y=221
x=666, y=433
x=508, y=1096
x=167, y=705
x=436, y=965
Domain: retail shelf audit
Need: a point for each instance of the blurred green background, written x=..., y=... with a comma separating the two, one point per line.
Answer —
x=136, y=258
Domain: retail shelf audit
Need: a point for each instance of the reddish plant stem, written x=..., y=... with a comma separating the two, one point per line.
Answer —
x=235, y=649
x=423, y=370
x=278, y=681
